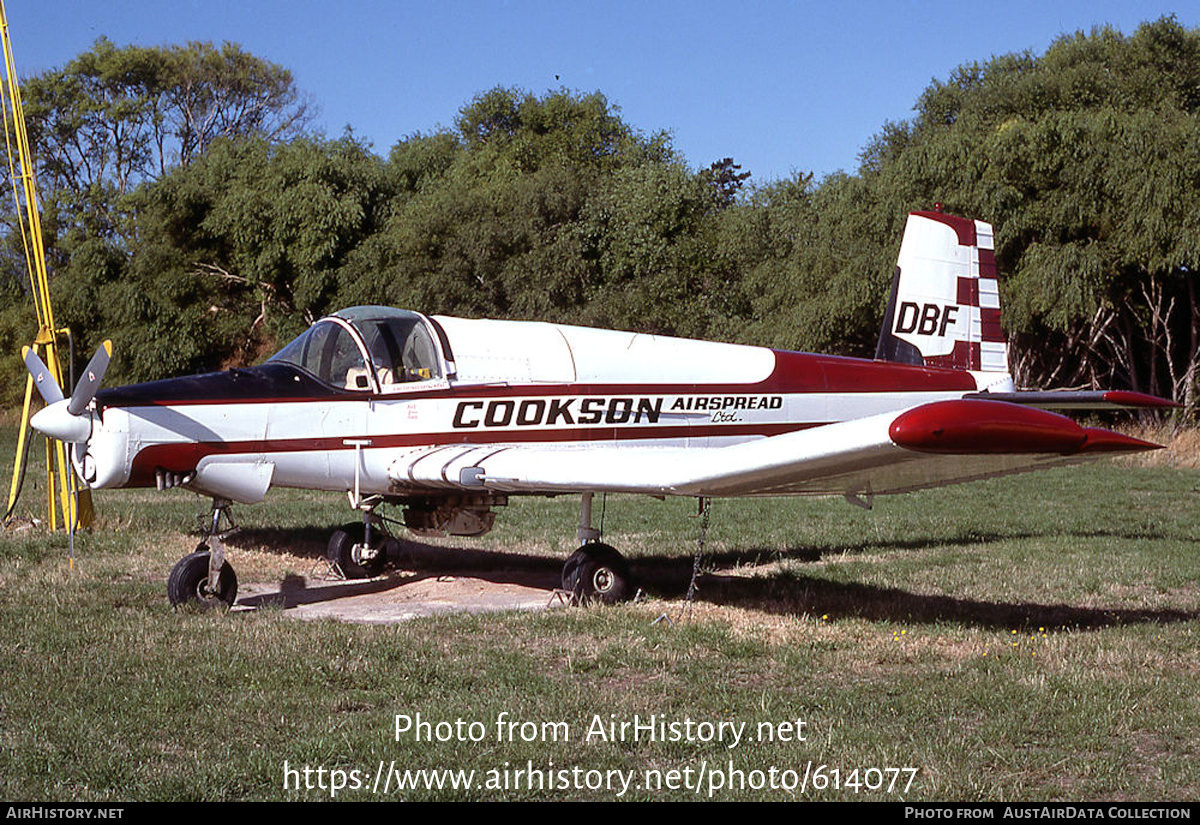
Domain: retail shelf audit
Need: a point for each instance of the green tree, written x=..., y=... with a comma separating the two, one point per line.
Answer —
x=115, y=117
x=238, y=250
x=489, y=218
x=1085, y=159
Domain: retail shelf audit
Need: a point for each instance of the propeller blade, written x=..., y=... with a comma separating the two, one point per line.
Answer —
x=89, y=383
x=47, y=387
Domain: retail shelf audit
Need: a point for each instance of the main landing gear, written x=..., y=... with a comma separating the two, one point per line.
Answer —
x=359, y=551
x=595, y=572
x=204, y=578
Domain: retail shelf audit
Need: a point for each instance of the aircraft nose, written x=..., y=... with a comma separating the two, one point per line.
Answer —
x=57, y=421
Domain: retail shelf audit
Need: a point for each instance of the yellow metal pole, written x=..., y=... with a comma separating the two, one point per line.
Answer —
x=22, y=446
x=61, y=483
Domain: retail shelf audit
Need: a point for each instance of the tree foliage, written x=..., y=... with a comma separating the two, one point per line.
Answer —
x=103, y=130
x=117, y=117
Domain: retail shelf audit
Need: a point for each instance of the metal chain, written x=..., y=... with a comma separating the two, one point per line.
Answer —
x=705, y=508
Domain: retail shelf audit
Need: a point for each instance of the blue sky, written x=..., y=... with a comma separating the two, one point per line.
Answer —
x=781, y=87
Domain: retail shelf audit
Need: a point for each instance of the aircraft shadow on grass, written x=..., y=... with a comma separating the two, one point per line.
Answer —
x=775, y=591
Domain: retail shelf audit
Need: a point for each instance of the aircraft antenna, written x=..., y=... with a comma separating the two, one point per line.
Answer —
x=68, y=506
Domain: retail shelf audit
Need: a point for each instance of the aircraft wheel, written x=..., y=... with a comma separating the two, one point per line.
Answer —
x=346, y=551
x=597, y=572
x=188, y=583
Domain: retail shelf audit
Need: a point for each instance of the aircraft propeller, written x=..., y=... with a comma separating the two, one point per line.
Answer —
x=63, y=418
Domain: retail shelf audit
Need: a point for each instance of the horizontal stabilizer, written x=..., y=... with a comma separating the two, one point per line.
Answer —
x=1080, y=400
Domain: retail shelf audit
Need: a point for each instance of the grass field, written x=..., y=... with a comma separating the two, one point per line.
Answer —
x=1032, y=638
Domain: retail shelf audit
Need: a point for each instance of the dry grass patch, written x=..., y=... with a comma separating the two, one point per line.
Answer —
x=1181, y=446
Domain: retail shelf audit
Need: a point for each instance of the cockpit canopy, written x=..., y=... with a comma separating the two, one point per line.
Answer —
x=366, y=348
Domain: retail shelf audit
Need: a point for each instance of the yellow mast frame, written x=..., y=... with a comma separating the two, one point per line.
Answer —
x=61, y=482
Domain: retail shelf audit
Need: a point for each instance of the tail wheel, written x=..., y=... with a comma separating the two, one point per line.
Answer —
x=188, y=583
x=597, y=573
x=353, y=556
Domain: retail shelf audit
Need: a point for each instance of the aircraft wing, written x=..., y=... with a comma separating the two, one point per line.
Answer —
x=930, y=445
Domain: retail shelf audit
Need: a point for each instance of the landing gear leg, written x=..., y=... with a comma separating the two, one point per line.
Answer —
x=204, y=578
x=595, y=572
x=586, y=531
x=359, y=551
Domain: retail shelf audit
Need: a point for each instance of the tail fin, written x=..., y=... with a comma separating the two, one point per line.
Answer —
x=944, y=308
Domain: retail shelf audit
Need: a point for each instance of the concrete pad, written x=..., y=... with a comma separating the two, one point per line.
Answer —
x=399, y=596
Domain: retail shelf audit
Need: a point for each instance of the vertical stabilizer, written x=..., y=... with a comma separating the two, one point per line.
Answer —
x=944, y=308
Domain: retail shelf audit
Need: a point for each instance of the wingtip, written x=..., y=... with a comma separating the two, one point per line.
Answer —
x=1138, y=400
x=1106, y=441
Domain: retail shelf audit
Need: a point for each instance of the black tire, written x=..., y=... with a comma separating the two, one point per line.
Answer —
x=188, y=583
x=344, y=547
x=597, y=573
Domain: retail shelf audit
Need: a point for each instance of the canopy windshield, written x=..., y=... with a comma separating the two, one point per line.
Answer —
x=328, y=352
x=399, y=344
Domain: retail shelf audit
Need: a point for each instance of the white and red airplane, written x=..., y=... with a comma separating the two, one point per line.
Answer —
x=448, y=417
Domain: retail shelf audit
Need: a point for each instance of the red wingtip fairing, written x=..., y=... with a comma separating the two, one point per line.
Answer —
x=973, y=426
x=970, y=426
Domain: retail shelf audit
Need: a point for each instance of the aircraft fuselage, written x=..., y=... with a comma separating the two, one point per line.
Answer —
x=321, y=437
